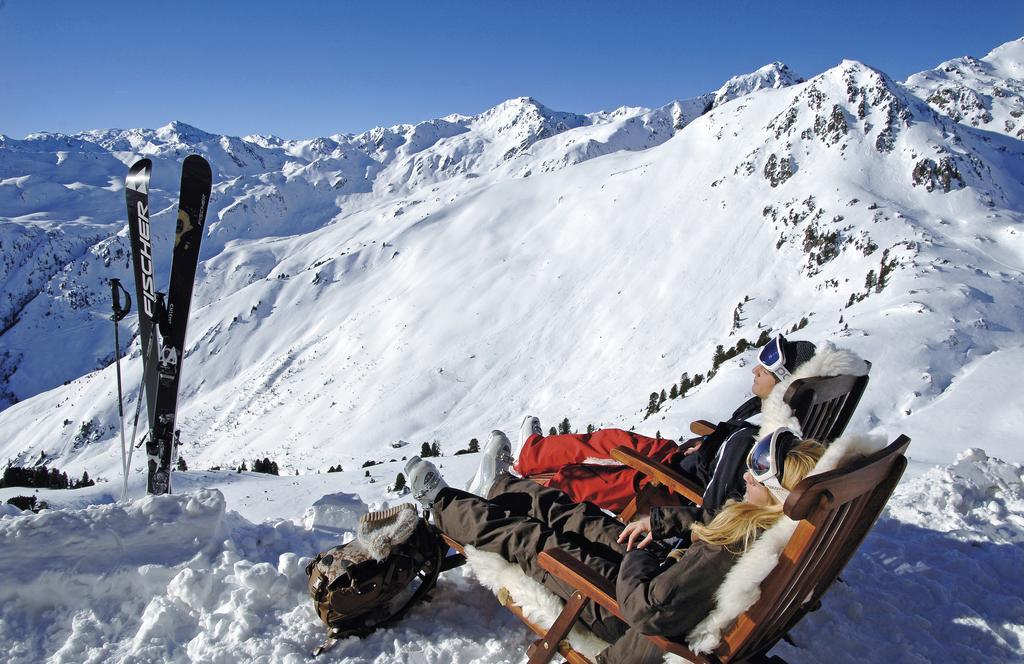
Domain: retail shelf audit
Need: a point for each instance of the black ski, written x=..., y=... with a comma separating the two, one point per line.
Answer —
x=136, y=191
x=196, y=183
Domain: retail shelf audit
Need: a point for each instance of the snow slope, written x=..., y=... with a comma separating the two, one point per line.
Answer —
x=984, y=92
x=326, y=325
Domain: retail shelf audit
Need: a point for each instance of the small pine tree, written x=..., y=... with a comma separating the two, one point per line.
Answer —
x=435, y=449
x=181, y=463
x=698, y=379
x=764, y=338
x=474, y=445
x=552, y=431
x=652, y=405
x=425, y=450
x=590, y=428
x=662, y=397
x=564, y=426
x=367, y=475
x=869, y=281
x=399, y=482
x=718, y=357
x=674, y=392
x=657, y=434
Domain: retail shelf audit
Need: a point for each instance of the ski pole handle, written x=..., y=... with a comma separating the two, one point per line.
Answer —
x=115, y=293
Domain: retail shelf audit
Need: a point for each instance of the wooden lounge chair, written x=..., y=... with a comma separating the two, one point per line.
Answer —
x=834, y=512
x=823, y=405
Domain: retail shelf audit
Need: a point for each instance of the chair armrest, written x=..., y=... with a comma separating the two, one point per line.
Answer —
x=702, y=427
x=575, y=574
x=659, y=473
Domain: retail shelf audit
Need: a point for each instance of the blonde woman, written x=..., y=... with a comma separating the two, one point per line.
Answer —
x=662, y=590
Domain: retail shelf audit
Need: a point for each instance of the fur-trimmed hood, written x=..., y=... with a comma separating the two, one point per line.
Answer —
x=827, y=361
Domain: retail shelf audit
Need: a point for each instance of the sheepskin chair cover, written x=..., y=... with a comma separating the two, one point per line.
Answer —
x=827, y=361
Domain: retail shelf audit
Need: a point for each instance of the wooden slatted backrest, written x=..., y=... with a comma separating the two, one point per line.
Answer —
x=835, y=511
x=825, y=404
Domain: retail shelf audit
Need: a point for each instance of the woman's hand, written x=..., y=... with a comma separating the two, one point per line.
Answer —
x=641, y=528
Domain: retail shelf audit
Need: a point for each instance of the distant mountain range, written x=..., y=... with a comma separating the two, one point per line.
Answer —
x=433, y=281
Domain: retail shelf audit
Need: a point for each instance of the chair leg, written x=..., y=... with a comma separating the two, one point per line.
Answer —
x=544, y=648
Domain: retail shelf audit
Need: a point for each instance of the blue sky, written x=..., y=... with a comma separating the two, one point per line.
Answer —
x=303, y=69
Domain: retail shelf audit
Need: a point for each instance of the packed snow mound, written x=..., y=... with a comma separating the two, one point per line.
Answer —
x=335, y=512
x=977, y=498
x=155, y=529
x=938, y=577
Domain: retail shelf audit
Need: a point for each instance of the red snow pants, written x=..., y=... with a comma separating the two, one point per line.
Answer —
x=582, y=466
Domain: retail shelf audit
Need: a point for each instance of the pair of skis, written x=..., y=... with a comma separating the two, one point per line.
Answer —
x=163, y=319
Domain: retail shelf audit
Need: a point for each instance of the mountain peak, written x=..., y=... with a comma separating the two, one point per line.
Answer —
x=522, y=121
x=183, y=132
x=772, y=75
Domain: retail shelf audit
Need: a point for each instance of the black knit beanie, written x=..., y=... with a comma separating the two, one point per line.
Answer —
x=796, y=352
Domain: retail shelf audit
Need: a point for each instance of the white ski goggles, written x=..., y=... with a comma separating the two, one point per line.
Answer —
x=773, y=358
x=767, y=458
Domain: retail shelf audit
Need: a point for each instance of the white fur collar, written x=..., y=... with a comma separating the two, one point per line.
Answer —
x=742, y=585
x=827, y=361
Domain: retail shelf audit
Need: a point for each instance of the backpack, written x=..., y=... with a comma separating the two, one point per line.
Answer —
x=376, y=578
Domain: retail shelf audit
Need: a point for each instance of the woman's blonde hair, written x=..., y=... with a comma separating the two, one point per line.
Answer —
x=740, y=522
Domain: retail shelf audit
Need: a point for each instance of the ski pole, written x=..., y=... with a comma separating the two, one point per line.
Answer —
x=119, y=313
x=138, y=402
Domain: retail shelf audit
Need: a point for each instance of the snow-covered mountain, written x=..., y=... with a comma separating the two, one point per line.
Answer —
x=983, y=92
x=433, y=281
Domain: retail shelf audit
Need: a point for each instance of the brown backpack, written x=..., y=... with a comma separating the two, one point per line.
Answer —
x=373, y=580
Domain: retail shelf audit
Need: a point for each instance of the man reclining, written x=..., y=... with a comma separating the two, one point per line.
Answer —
x=582, y=464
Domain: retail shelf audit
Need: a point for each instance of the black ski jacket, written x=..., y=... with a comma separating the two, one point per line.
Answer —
x=718, y=466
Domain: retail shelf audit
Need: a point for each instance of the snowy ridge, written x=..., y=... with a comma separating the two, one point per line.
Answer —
x=774, y=75
x=986, y=92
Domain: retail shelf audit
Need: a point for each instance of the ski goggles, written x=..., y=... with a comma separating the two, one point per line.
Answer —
x=773, y=357
x=766, y=460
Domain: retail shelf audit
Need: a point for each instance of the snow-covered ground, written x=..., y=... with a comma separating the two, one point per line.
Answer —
x=216, y=575
x=434, y=281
